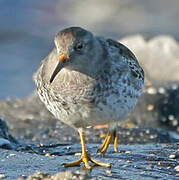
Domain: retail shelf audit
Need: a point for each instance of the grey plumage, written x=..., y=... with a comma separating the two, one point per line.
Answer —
x=99, y=83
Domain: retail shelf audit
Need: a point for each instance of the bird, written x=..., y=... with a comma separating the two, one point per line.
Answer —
x=89, y=80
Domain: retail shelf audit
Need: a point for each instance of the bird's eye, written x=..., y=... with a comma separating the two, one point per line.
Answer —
x=79, y=46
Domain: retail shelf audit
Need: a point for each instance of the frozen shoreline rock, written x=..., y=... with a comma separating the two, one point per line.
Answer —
x=158, y=56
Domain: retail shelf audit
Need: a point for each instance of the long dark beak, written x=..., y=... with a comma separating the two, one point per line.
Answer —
x=60, y=65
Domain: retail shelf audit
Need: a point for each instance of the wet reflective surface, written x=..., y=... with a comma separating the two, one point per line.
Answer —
x=131, y=162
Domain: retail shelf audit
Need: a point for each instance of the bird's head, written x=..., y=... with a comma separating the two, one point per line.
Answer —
x=76, y=50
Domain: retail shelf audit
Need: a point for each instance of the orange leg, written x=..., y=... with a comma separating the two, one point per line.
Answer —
x=85, y=157
x=111, y=135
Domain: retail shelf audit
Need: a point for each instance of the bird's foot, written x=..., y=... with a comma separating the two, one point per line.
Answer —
x=111, y=135
x=85, y=158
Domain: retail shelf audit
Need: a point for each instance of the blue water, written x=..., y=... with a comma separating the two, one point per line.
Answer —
x=22, y=46
x=27, y=28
